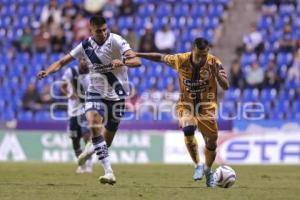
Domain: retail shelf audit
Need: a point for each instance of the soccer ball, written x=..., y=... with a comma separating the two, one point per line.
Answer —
x=225, y=176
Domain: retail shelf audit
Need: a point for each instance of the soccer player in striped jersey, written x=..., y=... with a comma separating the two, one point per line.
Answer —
x=108, y=56
x=198, y=75
x=74, y=87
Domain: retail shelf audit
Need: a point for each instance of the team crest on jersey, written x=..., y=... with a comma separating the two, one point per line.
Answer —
x=204, y=74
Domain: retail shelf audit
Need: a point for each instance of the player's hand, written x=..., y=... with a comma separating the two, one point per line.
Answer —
x=131, y=55
x=214, y=69
x=42, y=74
x=116, y=63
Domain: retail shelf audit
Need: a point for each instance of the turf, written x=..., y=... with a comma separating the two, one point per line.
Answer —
x=58, y=181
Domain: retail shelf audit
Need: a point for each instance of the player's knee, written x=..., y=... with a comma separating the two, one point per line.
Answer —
x=189, y=130
x=211, y=146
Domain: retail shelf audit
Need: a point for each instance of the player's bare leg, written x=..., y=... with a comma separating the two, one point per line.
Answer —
x=191, y=143
x=109, y=136
x=95, y=123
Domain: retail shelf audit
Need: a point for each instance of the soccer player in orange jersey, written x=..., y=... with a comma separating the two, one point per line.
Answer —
x=198, y=74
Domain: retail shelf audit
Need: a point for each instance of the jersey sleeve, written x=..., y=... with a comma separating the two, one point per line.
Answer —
x=77, y=52
x=172, y=60
x=121, y=44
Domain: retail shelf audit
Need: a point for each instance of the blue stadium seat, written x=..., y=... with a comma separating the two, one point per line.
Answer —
x=163, y=10
x=198, y=11
x=247, y=59
x=296, y=107
x=291, y=84
x=250, y=95
x=287, y=94
x=215, y=10
x=42, y=116
x=181, y=10
x=284, y=59
x=25, y=116
x=233, y=94
x=166, y=116
x=282, y=106
x=8, y=115
x=268, y=95
x=264, y=22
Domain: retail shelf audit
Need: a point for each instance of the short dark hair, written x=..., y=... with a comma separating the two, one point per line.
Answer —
x=97, y=20
x=201, y=43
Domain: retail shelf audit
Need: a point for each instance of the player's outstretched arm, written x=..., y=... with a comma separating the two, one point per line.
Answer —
x=55, y=66
x=158, y=57
x=131, y=60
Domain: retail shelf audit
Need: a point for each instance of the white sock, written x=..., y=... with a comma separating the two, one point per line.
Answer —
x=106, y=165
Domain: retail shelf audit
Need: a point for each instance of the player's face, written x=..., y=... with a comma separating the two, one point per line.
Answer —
x=99, y=32
x=198, y=54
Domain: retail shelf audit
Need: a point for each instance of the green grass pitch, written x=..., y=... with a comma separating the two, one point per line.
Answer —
x=154, y=182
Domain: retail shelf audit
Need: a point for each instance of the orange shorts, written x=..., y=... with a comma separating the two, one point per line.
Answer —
x=205, y=119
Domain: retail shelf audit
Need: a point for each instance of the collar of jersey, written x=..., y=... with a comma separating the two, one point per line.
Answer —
x=103, y=41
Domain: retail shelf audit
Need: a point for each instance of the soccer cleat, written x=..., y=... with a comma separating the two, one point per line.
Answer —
x=210, y=180
x=107, y=178
x=85, y=155
x=199, y=172
x=80, y=170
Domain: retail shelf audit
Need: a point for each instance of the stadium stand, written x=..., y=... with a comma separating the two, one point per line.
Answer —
x=25, y=50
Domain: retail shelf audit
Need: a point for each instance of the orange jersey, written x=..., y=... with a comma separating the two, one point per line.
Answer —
x=197, y=83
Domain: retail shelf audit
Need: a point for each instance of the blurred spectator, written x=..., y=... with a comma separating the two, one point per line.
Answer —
x=31, y=98
x=68, y=27
x=41, y=40
x=110, y=9
x=236, y=75
x=133, y=101
x=253, y=42
x=165, y=40
x=132, y=39
x=81, y=28
x=70, y=9
x=287, y=42
x=155, y=95
x=24, y=43
x=269, y=8
x=58, y=41
x=272, y=79
x=51, y=26
x=147, y=40
x=46, y=97
x=254, y=76
x=51, y=10
x=127, y=7
x=115, y=29
x=171, y=94
x=294, y=71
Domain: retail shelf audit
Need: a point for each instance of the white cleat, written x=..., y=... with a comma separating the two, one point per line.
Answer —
x=80, y=170
x=108, y=178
